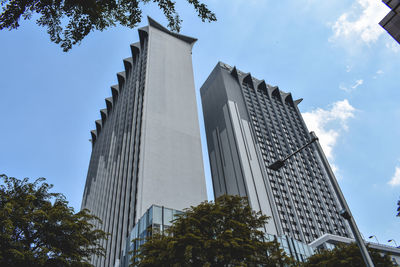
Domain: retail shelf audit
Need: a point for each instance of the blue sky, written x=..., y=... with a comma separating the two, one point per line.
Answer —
x=331, y=53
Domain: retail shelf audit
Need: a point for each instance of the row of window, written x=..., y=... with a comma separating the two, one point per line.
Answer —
x=309, y=193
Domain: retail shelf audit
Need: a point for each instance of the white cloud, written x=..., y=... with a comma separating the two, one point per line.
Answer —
x=361, y=22
x=343, y=87
x=396, y=178
x=378, y=73
x=393, y=45
x=329, y=124
x=348, y=68
x=358, y=83
x=351, y=88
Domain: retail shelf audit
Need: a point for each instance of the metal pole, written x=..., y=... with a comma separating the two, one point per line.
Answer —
x=301, y=148
x=346, y=211
x=375, y=238
x=281, y=162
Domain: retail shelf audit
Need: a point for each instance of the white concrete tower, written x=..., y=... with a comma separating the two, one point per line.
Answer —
x=146, y=147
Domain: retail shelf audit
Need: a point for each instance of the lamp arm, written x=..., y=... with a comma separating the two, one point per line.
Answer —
x=315, y=138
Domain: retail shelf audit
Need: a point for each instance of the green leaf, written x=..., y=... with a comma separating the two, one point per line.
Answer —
x=68, y=22
x=220, y=233
x=38, y=228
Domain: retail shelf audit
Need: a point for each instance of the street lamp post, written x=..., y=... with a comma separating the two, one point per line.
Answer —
x=392, y=240
x=281, y=162
x=375, y=238
x=345, y=212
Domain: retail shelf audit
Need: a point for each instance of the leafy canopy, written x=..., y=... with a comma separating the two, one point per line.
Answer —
x=68, y=22
x=346, y=256
x=224, y=233
x=37, y=228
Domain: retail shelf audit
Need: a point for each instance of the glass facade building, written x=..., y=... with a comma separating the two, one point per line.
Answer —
x=251, y=124
x=298, y=250
x=147, y=142
x=157, y=219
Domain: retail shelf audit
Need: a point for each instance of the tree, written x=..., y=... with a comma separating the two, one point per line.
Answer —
x=346, y=256
x=68, y=22
x=38, y=228
x=224, y=233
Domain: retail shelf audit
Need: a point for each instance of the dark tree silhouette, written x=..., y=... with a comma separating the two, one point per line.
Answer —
x=224, y=233
x=38, y=228
x=346, y=256
x=68, y=22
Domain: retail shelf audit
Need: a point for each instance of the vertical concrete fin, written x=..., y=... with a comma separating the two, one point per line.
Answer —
x=94, y=136
x=121, y=79
x=103, y=114
x=298, y=101
x=289, y=99
x=234, y=73
x=143, y=34
x=135, y=50
x=261, y=85
x=115, y=92
x=128, y=64
x=248, y=80
x=98, y=126
x=109, y=104
x=273, y=90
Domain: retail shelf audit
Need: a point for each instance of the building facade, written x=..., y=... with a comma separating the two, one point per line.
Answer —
x=391, y=22
x=249, y=125
x=156, y=219
x=146, y=146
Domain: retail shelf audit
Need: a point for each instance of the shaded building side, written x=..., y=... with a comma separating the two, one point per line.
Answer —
x=249, y=125
x=391, y=22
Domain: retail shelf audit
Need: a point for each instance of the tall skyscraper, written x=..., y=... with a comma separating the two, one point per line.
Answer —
x=146, y=147
x=391, y=22
x=249, y=125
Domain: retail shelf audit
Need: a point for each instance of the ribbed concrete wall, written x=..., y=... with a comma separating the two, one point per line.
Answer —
x=146, y=147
